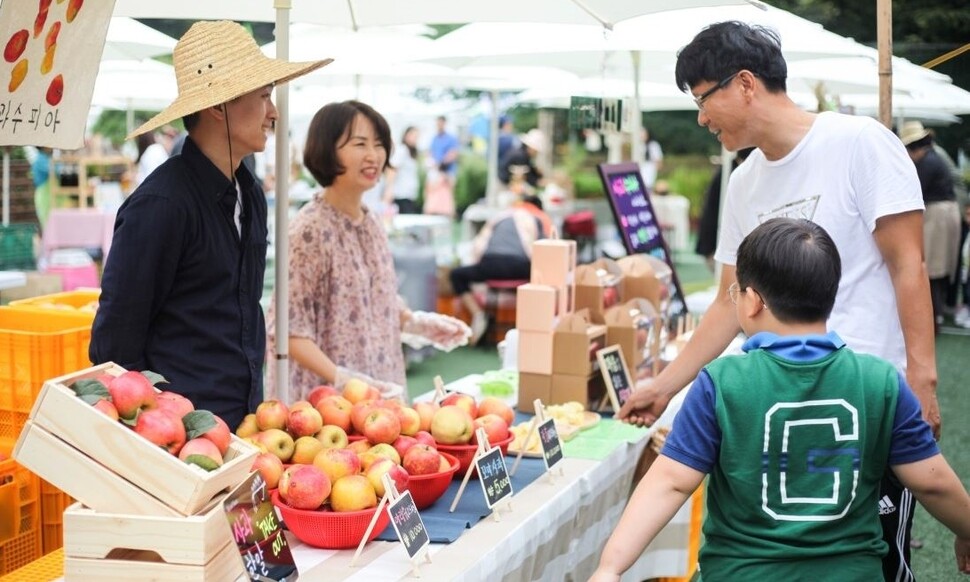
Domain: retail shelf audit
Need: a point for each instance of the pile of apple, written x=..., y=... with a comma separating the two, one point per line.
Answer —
x=339, y=445
x=164, y=418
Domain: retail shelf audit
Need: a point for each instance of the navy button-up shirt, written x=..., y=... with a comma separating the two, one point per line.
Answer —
x=181, y=288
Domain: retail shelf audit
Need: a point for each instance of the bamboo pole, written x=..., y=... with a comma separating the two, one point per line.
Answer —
x=884, y=38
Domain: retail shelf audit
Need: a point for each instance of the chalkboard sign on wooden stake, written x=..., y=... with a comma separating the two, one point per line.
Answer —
x=439, y=390
x=616, y=375
x=494, y=458
x=253, y=521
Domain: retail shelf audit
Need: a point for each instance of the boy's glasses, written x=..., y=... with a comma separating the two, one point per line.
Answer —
x=733, y=291
x=700, y=99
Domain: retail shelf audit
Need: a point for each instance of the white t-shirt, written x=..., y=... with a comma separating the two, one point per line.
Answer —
x=406, y=178
x=153, y=157
x=846, y=173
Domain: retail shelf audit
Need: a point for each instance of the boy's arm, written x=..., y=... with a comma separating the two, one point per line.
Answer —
x=899, y=238
x=940, y=491
x=661, y=492
x=716, y=330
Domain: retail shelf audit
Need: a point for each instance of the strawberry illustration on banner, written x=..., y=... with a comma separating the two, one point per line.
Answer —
x=51, y=53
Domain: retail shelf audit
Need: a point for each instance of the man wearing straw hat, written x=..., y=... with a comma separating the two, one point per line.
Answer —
x=181, y=288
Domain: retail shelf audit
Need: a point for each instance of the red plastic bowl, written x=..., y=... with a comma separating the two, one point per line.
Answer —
x=465, y=453
x=426, y=489
x=332, y=530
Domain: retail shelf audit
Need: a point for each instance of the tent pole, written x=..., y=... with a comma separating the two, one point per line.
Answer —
x=884, y=36
x=491, y=185
x=282, y=187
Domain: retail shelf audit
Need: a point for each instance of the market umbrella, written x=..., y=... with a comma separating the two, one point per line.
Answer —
x=130, y=40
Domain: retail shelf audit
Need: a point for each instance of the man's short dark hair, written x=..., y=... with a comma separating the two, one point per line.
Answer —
x=330, y=129
x=723, y=49
x=794, y=265
x=190, y=121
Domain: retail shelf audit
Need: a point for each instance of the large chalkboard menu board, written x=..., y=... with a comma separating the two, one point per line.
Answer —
x=637, y=221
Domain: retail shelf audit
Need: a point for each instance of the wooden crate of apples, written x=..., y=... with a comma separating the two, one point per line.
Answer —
x=339, y=444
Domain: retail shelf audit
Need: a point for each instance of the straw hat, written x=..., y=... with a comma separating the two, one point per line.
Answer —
x=912, y=131
x=535, y=139
x=216, y=62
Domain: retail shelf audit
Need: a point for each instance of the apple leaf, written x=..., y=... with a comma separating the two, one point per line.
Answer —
x=197, y=423
x=154, y=377
x=93, y=399
x=92, y=387
x=202, y=461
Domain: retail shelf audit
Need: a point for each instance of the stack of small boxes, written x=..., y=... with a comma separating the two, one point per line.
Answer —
x=553, y=359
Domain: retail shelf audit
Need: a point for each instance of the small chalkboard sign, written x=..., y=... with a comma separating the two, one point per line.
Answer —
x=408, y=524
x=616, y=376
x=258, y=533
x=551, y=445
x=494, y=476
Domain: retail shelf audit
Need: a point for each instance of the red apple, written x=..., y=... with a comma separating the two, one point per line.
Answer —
x=421, y=460
x=162, y=428
x=318, y=393
x=356, y=390
x=386, y=451
x=425, y=438
x=409, y=418
x=359, y=447
x=426, y=411
x=279, y=442
x=247, y=427
x=201, y=452
x=219, y=435
x=337, y=463
x=176, y=403
x=359, y=412
x=304, y=487
x=332, y=437
x=305, y=449
x=375, y=474
x=464, y=401
x=304, y=421
x=403, y=443
x=492, y=405
x=130, y=393
x=381, y=426
x=496, y=429
x=270, y=468
x=105, y=406
x=271, y=414
x=335, y=410
x=452, y=425
x=352, y=493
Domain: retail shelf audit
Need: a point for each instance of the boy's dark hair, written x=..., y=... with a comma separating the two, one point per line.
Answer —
x=723, y=49
x=330, y=129
x=794, y=265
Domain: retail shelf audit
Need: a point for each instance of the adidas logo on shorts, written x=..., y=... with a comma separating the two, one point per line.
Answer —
x=886, y=505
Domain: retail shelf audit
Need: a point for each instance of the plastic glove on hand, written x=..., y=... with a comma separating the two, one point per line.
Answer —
x=385, y=390
x=441, y=331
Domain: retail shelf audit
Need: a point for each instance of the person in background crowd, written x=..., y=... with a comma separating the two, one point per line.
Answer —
x=849, y=175
x=751, y=422
x=653, y=159
x=346, y=319
x=439, y=194
x=40, y=172
x=673, y=215
x=502, y=250
x=506, y=137
x=941, y=222
x=402, y=179
x=523, y=157
x=710, y=214
x=181, y=288
x=153, y=150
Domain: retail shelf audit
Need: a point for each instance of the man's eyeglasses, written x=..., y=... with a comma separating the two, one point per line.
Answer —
x=700, y=99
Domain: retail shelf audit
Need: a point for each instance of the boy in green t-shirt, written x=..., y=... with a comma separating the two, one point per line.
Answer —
x=795, y=435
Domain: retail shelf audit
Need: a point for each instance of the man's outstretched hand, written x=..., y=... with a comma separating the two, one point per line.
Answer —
x=645, y=405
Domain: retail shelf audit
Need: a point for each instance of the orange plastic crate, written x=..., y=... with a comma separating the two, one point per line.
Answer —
x=50, y=567
x=34, y=347
x=53, y=502
x=25, y=544
x=77, y=302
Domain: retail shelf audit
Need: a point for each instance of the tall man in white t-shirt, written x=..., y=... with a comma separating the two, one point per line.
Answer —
x=848, y=174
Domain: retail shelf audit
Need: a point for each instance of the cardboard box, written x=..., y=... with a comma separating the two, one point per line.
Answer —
x=646, y=277
x=598, y=287
x=109, y=467
x=535, y=352
x=532, y=386
x=114, y=546
x=631, y=326
x=569, y=387
x=536, y=308
x=572, y=351
x=554, y=264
